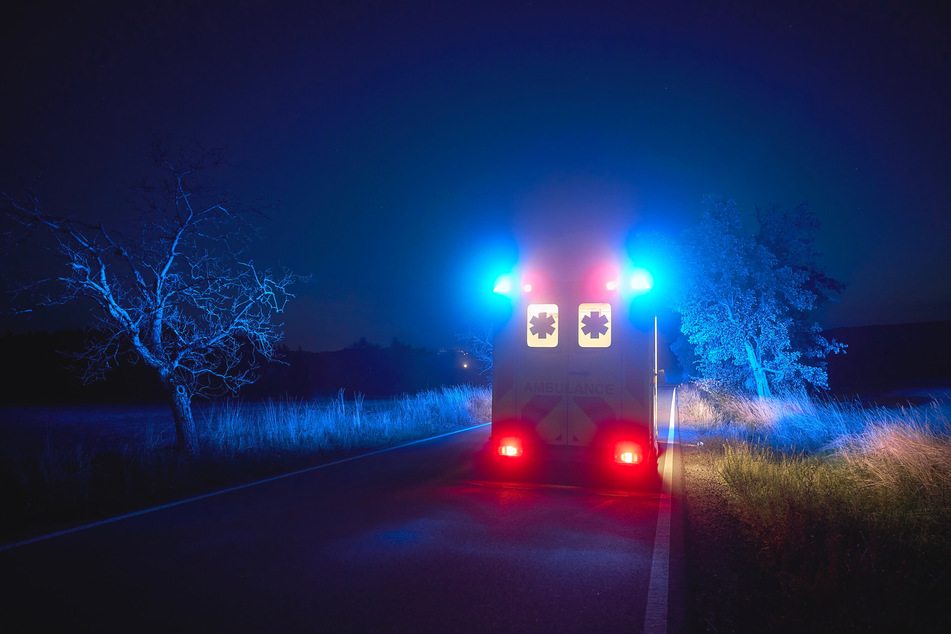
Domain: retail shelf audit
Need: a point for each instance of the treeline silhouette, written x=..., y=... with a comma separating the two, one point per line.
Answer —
x=39, y=368
x=42, y=369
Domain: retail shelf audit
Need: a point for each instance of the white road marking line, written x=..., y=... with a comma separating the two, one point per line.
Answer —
x=248, y=485
x=655, y=617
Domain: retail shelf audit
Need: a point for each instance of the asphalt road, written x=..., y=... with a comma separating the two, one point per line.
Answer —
x=416, y=539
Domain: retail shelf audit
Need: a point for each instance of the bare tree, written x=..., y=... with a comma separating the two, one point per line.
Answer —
x=179, y=295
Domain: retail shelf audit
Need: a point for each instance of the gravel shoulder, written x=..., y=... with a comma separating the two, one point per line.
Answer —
x=727, y=589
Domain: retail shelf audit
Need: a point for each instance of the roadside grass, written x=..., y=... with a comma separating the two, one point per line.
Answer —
x=280, y=427
x=848, y=506
x=45, y=485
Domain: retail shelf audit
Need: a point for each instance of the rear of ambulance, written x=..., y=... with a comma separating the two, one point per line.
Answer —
x=574, y=370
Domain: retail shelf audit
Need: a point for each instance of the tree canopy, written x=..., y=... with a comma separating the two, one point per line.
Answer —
x=746, y=300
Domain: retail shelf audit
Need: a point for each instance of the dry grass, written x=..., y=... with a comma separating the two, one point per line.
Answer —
x=912, y=447
x=849, y=506
x=341, y=425
x=794, y=423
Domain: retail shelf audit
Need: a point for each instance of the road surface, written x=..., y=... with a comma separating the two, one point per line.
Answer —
x=409, y=540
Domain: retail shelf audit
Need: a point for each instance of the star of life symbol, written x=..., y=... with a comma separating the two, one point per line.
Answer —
x=542, y=322
x=595, y=324
x=594, y=330
x=543, y=325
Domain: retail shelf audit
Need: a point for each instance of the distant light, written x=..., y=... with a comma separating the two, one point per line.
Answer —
x=641, y=281
x=465, y=365
x=612, y=285
x=527, y=288
x=503, y=285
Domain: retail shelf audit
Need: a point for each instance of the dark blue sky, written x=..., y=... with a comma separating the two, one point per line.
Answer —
x=404, y=143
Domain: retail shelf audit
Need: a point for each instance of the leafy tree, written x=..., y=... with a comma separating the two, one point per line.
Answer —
x=790, y=236
x=177, y=293
x=745, y=300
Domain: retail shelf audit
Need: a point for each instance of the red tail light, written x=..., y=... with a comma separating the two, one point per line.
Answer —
x=628, y=453
x=511, y=447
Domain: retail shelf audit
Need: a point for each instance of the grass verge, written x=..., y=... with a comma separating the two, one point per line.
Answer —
x=46, y=485
x=844, y=511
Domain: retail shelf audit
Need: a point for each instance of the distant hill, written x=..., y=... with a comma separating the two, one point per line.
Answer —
x=883, y=358
x=40, y=370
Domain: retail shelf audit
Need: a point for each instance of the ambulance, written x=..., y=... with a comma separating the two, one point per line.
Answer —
x=575, y=366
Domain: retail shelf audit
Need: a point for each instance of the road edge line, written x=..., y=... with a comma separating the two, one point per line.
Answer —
x=658, y=587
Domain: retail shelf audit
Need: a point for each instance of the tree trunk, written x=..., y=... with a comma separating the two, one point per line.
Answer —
x=186, y=434
x=759, y=373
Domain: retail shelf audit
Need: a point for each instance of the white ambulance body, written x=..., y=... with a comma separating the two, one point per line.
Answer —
x=575, y=367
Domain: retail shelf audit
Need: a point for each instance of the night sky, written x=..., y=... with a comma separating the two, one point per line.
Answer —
x=407, y=151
